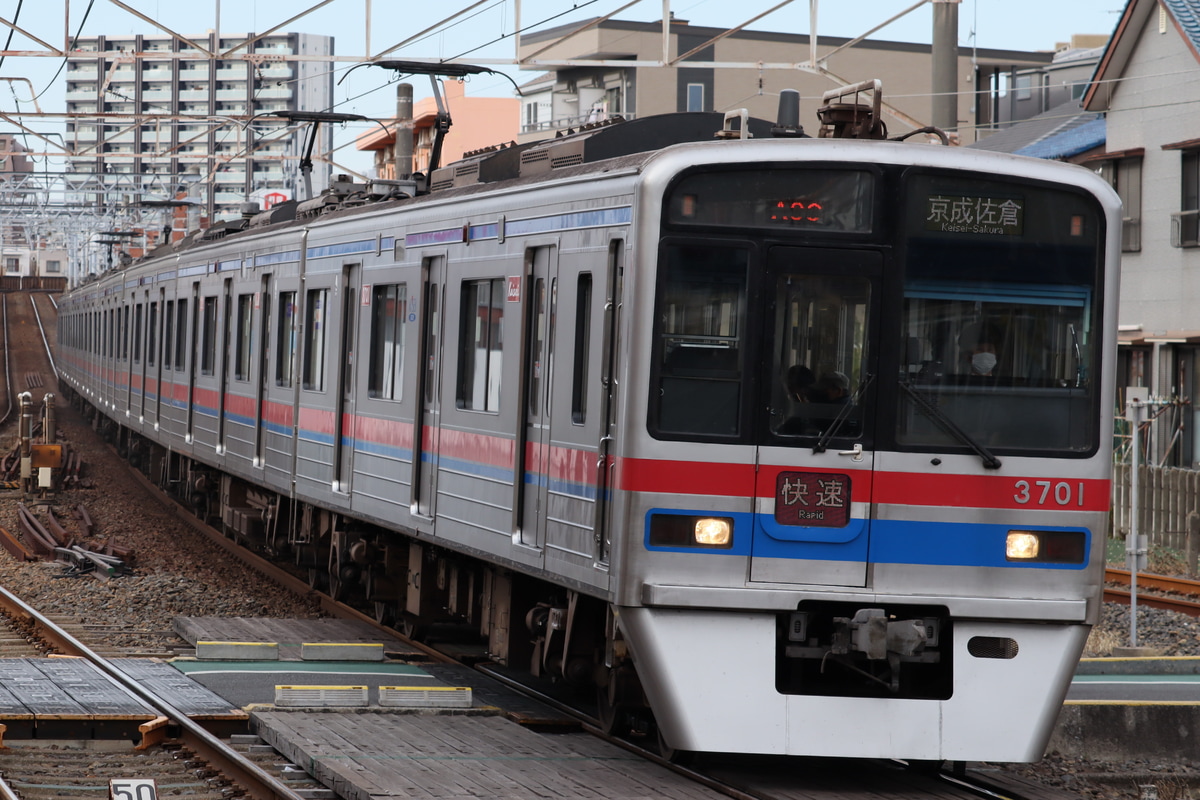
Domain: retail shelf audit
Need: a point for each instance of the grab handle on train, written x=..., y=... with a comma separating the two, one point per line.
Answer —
x=856, y=452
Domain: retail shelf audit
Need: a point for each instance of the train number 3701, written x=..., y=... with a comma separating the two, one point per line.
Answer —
x=1046, y=492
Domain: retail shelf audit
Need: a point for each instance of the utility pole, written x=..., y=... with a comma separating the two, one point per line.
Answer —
x=945, y=65
x=1137, y=402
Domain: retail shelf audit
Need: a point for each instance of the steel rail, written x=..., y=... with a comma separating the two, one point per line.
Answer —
x=6, y=791
x=259, y=783
x=1125, y=597
x=1160, y=583
x=8, y=388
x=42, y=331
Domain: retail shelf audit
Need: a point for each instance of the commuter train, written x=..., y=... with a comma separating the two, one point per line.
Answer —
x=790, y=444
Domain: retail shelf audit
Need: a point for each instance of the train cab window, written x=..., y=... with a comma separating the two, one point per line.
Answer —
x=1000, y=306
x=316, y=309
x=820, y=354
x=208, y=347
x=244, y=344
x=388, y=310
x=286, y=349
x=168, y=334
x=481, y=345
x=698, y=342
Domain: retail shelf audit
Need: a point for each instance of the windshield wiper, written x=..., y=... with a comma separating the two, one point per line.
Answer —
x=842, y=415
x=937, y=415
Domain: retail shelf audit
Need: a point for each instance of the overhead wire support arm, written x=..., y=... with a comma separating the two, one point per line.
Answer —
x=435, y=71
x=316, y=118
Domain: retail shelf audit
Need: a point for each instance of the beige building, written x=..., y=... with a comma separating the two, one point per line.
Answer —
x=478, y=122
x=746, y=69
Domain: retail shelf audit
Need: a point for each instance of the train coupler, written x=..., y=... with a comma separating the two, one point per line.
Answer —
x=871, y=632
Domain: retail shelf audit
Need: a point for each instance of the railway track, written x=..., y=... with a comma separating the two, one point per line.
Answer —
x=1169, y=594
x=214, y=762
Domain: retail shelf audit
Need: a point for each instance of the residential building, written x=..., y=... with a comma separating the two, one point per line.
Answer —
x=704, y=79
x=478, y=122
x=1038, y=112
x=201, y=110
x=1147, y=86
x=13, y=160
x=1021, y=94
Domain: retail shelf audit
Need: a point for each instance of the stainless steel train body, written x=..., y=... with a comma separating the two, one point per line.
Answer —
x=803, y=443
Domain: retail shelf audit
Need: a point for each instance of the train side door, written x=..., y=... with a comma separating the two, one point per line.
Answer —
x=343, y=461
x=814, y=478
x=428, y=421
x=191, y=354
x=539, y=287
x=262, y=299
x=609, y=347
x=223, y=361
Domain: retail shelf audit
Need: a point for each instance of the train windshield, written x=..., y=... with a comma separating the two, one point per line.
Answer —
x=916, y=311
x=999, y=315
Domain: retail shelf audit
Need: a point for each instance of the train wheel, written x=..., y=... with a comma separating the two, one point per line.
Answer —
x=337, y=589
x=618, y=699
x=383, y=613
x=412, y=627
x=316, y=578
x=612, y=717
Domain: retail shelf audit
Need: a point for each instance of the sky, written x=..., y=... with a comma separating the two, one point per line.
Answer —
x=483, y=34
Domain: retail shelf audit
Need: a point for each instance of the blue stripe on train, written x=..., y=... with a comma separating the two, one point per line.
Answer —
x=951, y=544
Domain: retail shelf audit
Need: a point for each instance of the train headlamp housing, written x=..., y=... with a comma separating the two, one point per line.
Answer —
x=1046, y=547
x=683, y=530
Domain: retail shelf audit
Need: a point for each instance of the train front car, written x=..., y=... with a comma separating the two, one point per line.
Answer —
x=866, y=492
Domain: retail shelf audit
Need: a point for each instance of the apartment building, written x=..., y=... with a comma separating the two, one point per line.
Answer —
x=703, y=75
x=149, y=109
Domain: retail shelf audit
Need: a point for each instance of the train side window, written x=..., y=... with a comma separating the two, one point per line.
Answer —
x=432, y=327
x=208, y=351
x=152, y=330
x=538, y=349
x=181, y=336
x=388, y=328
x=481, y=345
x=583, y=342
x=286, y=350
x=137, y=334
x=241, y=361
x=169, y=334
x=125, y=334
x=314, y=338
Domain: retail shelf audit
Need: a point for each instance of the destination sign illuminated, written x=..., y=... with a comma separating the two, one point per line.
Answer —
x=997, y=216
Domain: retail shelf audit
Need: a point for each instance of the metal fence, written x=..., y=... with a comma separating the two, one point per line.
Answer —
x=1165, y=497
x=32, y=283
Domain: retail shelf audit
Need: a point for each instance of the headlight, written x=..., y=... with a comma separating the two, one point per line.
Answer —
x=1021, y=546
x=682, y=530
x=713, y=532
x=1046, y=547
